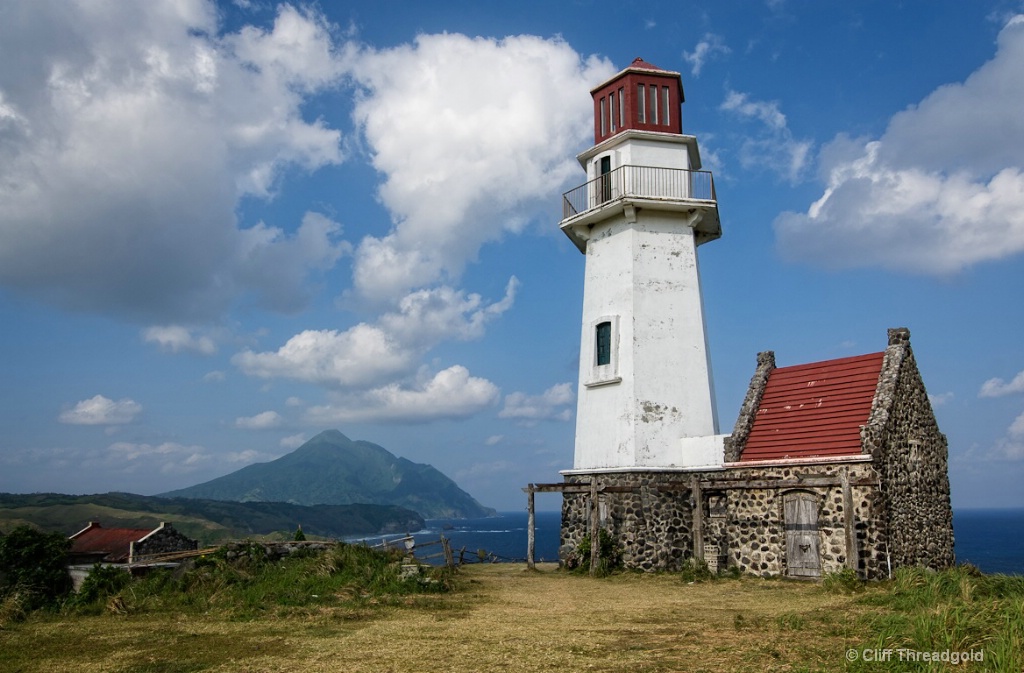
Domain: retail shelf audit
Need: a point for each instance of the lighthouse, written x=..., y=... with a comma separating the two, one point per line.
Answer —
x=645, y=396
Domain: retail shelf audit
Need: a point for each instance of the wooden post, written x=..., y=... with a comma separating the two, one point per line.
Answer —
x=446, y=547
x=852, y=557
x=698, y=518
x=595, y=526
x=531, y=524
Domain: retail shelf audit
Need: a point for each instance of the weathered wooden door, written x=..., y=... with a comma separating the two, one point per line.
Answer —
x=801, y=524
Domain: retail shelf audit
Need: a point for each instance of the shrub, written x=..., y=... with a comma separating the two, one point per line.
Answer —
x=102, y=583
x=846, y=581
x=32, y=564
x=609, y=554
x=695, y=571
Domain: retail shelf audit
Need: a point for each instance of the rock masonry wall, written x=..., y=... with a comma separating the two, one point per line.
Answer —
x=653, y=522
x=903, y=437
x=163, y=540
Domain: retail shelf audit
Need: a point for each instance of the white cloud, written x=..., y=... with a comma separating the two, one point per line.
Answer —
x=774, y=146
x=175, y=339
x=293, y=441
x=494, y=440
x=100, y=410
x=940, y=399
x=215, y=376
x=449, y=394
x=369, y=355
x=1009, y=447
x=940, y=191
x=359, y=356
x=709, y=45
x=167, y=458
x=549, y=405
x=466, y=156
x=262, y=421
x=997, y=387
x=128, y=135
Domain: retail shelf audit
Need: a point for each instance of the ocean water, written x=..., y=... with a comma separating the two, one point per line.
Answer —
x=993, y=540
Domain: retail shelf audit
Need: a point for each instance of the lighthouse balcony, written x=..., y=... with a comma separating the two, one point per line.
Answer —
x=638, y=187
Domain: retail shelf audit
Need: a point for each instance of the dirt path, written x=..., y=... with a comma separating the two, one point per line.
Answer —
x=509, y=619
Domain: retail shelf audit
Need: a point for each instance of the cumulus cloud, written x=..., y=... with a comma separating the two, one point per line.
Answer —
x=451, y=393
x=997, y=387
x=262, y=421
x=773, y=146
x=167, y=457
x=1009, y=447
x=940, y=399
x=128, y=134
x=368, y=355
x=100, y=410
x=466, y=156
x=176, y=339
x=709, y=46
x=940, y=191
x=549, y=405
x=293, y=441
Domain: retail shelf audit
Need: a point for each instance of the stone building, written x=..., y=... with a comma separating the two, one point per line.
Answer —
x=830, y=465
x=130, y=548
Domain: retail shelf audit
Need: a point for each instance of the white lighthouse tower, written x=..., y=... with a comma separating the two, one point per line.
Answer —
x=646, y=398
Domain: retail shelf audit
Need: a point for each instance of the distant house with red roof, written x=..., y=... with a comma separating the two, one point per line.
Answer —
x=96, y=544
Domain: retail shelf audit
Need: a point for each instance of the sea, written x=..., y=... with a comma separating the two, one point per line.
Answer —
x=991, y=539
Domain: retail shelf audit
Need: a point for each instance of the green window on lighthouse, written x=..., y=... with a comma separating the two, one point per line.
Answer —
x=604, y=343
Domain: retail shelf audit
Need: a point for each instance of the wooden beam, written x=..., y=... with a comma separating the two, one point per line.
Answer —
x=531, y=524
x=698, y=519
x=852, y=557
x=595, y=524
x=782, y=483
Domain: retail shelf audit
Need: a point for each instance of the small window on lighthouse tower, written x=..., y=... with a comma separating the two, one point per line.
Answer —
x=641, y=104
x=604, y=344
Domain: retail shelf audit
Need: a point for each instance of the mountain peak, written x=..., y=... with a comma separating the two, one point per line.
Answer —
x=331, y=469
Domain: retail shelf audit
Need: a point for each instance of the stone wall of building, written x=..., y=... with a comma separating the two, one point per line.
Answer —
x=164, y=540
x=904, y=438
x=653, y=519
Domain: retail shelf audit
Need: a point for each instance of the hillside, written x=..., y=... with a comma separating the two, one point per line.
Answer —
x=331, y=469
x=208, y=521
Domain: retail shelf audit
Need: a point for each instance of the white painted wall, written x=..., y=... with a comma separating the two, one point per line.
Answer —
x=654, y=405
x=646, y=274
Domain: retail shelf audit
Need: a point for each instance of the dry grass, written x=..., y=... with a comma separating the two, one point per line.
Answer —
x=502, y=618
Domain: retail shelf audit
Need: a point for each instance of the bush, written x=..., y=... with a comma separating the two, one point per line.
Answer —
x=695, y=571
x=609, y=554
x=100, y=584
x=33, y=565
x=846, y=581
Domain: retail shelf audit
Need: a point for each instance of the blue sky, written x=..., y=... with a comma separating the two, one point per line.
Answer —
x=227, y=227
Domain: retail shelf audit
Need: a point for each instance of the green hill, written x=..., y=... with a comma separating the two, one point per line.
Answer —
x=331, y=469
x=209, y=521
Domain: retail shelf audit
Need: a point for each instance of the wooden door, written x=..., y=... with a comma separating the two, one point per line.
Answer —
x=801, y=524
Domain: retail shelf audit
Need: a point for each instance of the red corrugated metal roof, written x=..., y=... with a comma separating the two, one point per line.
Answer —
x=814, y=410
x=114, y=541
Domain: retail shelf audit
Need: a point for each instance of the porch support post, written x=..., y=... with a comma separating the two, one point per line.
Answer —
x=595, y=525
x=698, y=518
x=531, y=524
x=852, y=557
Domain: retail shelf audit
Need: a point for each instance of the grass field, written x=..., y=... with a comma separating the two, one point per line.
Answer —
x=503, y=617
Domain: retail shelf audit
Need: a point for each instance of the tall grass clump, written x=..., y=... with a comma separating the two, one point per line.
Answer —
x=958, y=609
x=250, y=585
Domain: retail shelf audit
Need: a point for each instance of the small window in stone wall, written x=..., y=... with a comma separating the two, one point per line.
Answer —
x=718, y=505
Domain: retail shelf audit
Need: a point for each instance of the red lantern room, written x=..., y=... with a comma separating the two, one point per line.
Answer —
x=642, y=97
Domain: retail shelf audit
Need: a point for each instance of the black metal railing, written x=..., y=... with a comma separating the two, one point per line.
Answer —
x=639, y=182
